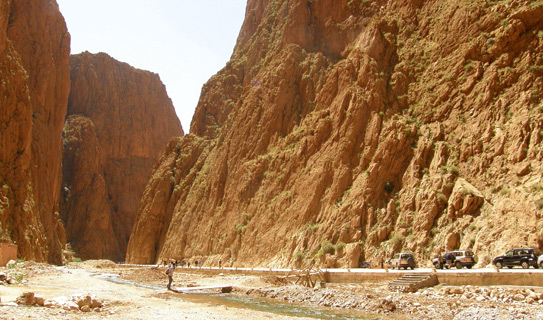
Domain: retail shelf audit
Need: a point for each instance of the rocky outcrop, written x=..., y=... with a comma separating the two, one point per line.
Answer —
x=391, y=125
x=34, y=58
x=119, y=121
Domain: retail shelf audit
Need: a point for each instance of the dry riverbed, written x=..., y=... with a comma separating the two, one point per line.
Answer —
x=139, y=293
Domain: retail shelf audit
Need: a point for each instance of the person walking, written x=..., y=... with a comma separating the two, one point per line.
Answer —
x=169, y=273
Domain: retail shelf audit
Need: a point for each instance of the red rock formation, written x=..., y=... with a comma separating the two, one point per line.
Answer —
x=120, y=120
x=34, y=54
x=388, y=125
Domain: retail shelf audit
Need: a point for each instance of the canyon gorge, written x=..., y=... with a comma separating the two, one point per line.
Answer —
x=345, y=131
x=340, y=131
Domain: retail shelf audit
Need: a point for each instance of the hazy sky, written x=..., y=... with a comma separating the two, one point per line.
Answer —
x=184, y=41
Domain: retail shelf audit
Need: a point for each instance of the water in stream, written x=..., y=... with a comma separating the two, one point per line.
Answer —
x=275, y=307
x=258, y=304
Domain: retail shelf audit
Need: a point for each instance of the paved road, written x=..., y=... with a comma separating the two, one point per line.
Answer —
x=366, y=270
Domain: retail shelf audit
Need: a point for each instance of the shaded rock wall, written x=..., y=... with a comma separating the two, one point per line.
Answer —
x=346, y=131
x=34, y=55
x=119, y=121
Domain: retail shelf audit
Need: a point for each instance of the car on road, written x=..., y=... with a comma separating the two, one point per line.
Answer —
x=524, y=257
x=457, y=258
x=402, y=260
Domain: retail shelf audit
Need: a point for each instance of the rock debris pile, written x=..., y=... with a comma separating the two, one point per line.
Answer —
x=432, y=303
x=5, y=279
x=84, y=303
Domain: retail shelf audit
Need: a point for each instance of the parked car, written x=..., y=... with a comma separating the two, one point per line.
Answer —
x=458, y=259
x=540, y=261
x=524, y=257
x=401, y=260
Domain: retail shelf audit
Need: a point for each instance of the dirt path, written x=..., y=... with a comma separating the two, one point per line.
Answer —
x=121, y=301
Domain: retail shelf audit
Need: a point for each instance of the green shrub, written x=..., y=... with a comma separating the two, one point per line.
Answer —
x=240, y=228
x=328, y=248
x=313, y=227
x=396, y=239
x=299, y=256
x=19, y=277
x=340, y=246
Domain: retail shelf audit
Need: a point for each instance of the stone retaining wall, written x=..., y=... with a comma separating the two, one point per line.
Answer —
x=485, y=277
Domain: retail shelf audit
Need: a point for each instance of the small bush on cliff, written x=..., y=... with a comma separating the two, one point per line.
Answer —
x=240, y=228
x=299, y=256
x=313, y=227
x=327, y=248
x=396, y=240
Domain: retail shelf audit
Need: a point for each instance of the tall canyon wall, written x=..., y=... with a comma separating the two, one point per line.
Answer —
x=345, y=131
x=34, y=65
x=119, y=122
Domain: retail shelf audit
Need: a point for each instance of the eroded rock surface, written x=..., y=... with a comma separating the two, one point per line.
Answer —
x=119, y=121
x=34, y=65
x=391, y=125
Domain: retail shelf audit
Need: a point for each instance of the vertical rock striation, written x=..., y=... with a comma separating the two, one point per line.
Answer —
x=34, y=55
x=119, y=121
x=346, y=131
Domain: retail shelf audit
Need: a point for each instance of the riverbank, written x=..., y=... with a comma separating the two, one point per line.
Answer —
x=140, y=293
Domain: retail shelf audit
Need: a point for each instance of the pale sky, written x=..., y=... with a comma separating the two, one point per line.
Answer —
x=184, y=41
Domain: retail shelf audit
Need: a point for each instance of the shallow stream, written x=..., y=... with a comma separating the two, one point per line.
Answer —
x=275, y=307
x=258, y=304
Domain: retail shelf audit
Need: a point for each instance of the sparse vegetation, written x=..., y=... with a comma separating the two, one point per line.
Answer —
x=449, y=169
x=299, y=256
x=313, y=227
x=441, y=197
x=396, y=240
x=240, y=228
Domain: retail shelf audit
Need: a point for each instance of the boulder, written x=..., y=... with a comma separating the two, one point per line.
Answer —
x=82, y=301
x=96, y=303
x=39, y=301
x=85, y=309
x=330, y=261
x=352, y=255
x=26, y=299
x=465, y=200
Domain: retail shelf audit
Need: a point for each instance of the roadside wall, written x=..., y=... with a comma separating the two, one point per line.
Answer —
x=445, y=277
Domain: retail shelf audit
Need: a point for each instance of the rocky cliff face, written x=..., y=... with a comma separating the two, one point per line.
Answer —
x=119, y=121
x=349, y=130
x=34, y=63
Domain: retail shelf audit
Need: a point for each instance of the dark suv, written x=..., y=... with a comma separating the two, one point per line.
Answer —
x=458, y=259
x=524, y=257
